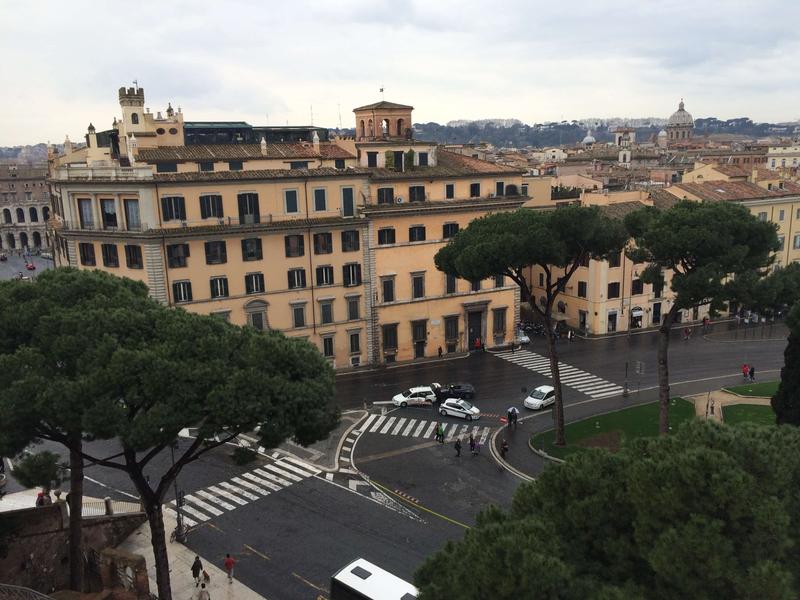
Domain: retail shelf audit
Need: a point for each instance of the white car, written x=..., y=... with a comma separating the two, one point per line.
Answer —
x=456, y=407
x=522, y=338
x=416, y=396
x=542, y=396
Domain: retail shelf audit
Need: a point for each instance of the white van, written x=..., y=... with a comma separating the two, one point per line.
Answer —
x=361, y=580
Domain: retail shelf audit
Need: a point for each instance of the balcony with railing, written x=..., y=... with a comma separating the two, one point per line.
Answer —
x=101, y=171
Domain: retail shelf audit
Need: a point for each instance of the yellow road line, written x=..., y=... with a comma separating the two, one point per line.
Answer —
x=256, y=552
x=433, y=512
x=307, y=582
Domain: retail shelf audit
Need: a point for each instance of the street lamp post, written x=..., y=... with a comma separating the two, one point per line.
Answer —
x=180, y=532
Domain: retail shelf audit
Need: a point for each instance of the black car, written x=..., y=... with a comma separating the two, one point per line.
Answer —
x=454, y=390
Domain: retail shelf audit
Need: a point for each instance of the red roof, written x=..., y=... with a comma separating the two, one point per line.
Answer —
x=241, y=152
x=732, y=190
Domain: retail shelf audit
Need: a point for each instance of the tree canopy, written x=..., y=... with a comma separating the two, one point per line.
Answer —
x=558, y=241
x=702, y=245
x=786, y=402
x=706, y=513
x=86, y=355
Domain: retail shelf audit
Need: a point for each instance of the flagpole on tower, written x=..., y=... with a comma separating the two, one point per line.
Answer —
x=382, y=98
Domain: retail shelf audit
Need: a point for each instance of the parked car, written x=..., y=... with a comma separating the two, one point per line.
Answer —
x=542, y=396
x=454, y=390
x=522, y=338
x=455, y=407
x=47, y=255
x=423, y=395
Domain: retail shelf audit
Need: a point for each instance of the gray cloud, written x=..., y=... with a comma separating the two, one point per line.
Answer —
x=246, y=59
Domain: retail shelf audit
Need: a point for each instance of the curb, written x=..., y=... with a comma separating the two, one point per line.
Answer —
x=542, y=453
x=341, y=443
x=503, y=463
x=732, y=393
x=374, y=369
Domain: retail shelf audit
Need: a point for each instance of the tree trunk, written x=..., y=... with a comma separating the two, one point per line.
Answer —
x=75, y=517
x=663, y=370
x=561, y=439
x=159, y=542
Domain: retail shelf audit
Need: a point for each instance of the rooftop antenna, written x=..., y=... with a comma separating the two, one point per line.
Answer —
x=136, y=84
x=381, y=90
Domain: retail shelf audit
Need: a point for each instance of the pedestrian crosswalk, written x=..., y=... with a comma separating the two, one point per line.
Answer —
x=215, y=500
x=591, y=385
x=420, y=428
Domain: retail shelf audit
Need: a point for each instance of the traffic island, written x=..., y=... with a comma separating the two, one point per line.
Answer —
x=610, y=431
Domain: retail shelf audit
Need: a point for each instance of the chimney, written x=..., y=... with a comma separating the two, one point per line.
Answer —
x=91, y=137
x=315, y=141
x=263, y=146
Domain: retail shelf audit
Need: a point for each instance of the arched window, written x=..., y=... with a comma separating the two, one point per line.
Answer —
x=363, y=129
x=37, y=239
x=400, y=127
x=385, y=127
x=20, y=215
x=134, y=118
x=23, y=239
x=370, y=129
x=10, y=242
x=6, y=216
x=46, y=213
x=34, y=214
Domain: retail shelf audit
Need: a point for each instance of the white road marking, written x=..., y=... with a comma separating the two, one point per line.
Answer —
x=186, y=520
x=251, y=485
x=239, y=491
x=267, y=475
x=399, y=426
x=367, y=423
x=616, y=392
x=228, y=495
x=484, y=436
x=354, y=483
x=430, y=429
x=284, y=464
x=329, y=476
x=262, y=481
x=377, y=424
x=195, y=513
x=419, y=428
x=202, y=504
x=212, y=498
x=388, y=424
x=408, y=429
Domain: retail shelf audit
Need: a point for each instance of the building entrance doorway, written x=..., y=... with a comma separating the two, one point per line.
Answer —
x=582, y=317
x=656, y=313
x=419, y=333
x=474, y=329
x=612, y=322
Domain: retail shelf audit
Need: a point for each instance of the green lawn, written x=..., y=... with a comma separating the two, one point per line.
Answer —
x=609, y=431
x=748, y=413
x=767, y=389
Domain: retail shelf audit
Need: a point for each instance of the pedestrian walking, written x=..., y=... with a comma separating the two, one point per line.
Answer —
x=203, y=593
x=40, y=499
x=440, y=433
x=440, y=352
x=752, y=373
x=509, y=417
x=472, y=444
x=458, y=447
x=745, y=371
x=503, y=449
x=197, y=570
x=229, y=563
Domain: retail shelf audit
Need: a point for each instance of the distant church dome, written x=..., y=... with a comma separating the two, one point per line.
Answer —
x=681, y=118
x=589, y=139
x=662, y=134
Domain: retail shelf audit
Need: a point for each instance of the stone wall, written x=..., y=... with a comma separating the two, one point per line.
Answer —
x=35, y=550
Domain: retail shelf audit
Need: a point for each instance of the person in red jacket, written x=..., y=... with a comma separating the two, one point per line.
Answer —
x=229, y=562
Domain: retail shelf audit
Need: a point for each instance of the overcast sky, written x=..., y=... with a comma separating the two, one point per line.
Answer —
x=270, y=62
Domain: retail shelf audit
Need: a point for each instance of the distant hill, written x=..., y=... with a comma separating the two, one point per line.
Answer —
x=36, y=153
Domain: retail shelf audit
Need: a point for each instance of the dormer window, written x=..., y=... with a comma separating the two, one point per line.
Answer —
x=423, y=159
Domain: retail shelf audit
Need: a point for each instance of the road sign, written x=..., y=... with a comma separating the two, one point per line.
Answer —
x=639, y=367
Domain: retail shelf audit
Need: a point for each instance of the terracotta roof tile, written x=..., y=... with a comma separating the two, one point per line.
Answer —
x=260, y=174
x=731, y=170
x=732, y=190
x=619, y=210
x=450, y=164
x=662, y=199
x=241, y=152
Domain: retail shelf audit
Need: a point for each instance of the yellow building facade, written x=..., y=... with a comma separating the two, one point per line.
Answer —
x=329, y=240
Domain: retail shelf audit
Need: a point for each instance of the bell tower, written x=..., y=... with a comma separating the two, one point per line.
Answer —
x=131, y=101
x=383, y=121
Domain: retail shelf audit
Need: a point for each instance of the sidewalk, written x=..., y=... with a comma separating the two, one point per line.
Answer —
x=180, y=563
